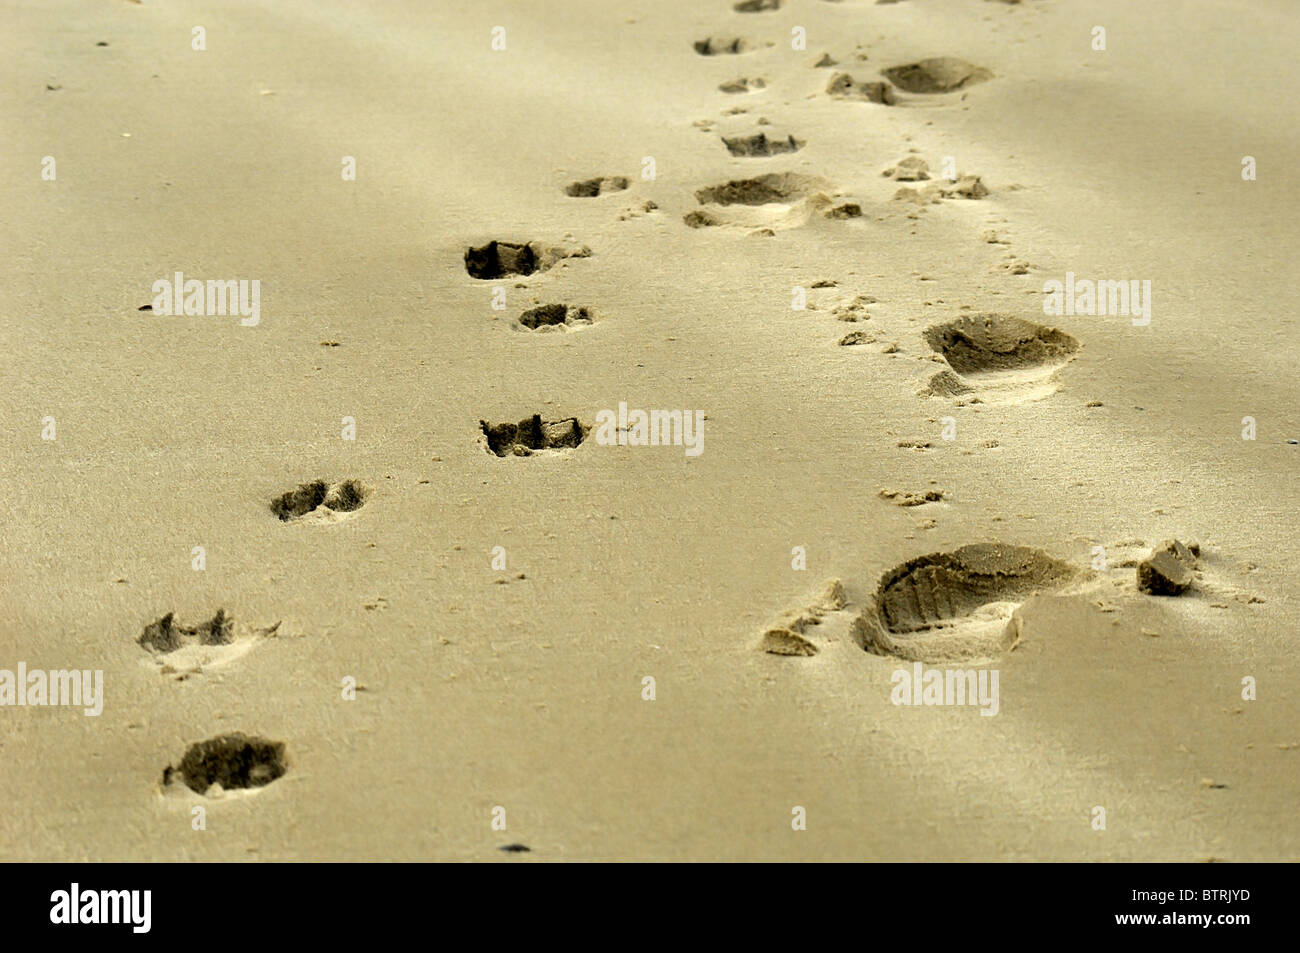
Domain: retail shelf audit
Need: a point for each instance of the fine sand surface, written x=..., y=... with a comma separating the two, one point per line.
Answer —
x=523, y=688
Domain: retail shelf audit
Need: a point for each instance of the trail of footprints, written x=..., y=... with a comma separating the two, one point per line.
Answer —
x=959, y=604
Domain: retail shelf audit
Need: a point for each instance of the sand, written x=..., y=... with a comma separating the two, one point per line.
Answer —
x=453, y=652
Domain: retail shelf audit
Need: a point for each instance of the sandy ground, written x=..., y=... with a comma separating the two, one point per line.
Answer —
x=486, y=690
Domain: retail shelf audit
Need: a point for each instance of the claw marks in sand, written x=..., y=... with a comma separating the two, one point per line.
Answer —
x=232, y=762
x=183, y=650
x=998, y=353
x=320, y=502
x=957, y=605
x=790, y=634
x=498, y=259
x=532, y=434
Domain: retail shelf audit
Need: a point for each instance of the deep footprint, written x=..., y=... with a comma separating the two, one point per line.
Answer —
x=231, y=762
x=321, y=499
x=591, y=188
x=185, y=650
x=758, y=145
x=714, y=46
x=532, y=434
x=941, y=74
x=499, y=259
x=956, y=605
x=557, y=316
x=989, y=343
x=774, y=187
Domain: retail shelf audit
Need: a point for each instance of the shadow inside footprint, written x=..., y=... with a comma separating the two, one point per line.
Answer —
x=231, y=761
x=986, y=343
x=956, y=605
x=940, y=74
x=308, y=498
x=532, y=434
x=774, y=187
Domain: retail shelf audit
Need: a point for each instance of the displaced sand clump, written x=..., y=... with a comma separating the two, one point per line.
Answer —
x=843, y=86
x=1169, y=570
x=956, y=605
x=788, y=635
x=940, y=74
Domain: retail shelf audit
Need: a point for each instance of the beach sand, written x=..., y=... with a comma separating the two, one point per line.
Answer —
x=501, y=693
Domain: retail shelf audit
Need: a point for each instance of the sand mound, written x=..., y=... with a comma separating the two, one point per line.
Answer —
x=982, y=343
x=940, y=74
x=229, y=761
x=956, y=605
x=320, y=499
x=532, y=434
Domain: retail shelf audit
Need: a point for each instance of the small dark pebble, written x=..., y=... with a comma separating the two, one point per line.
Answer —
x=516, y=849
x=102, y=43
x=146, y=307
